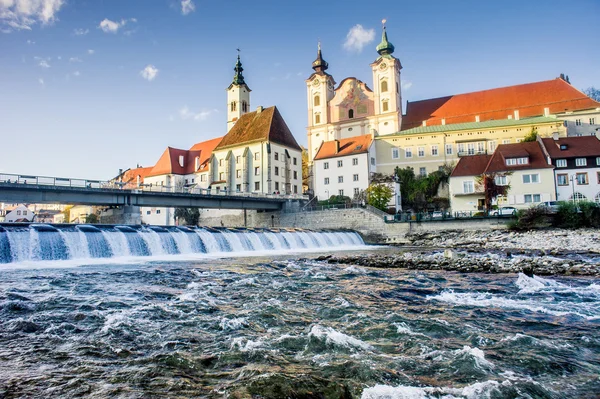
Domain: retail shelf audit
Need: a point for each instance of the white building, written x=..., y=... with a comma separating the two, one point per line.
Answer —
x=343, y=167
x=577, y=167
x=20, y=214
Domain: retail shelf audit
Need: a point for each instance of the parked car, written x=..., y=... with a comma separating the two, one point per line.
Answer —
x=504, y=211
x=550, y=206
x=437, y=215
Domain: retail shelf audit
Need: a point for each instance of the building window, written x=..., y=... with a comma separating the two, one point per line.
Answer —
x=372, y=160
x=592, y=121
x=562, y=179
x=256, y=171
x=340, y=179
x=24, y=213
x=233, y=106
x=19, y=213
x=295, y=161
x=577, y=122
x=519, y=140
x=492, y=146
x=326, y=181
x=277, y=186
x=468, y=187
x=598, y=161
x=295, y=189
x=461, y=148
x=531, y=198
x=317, y=118
x=434, y=150
x=257, y=186
x=157, y=211
x=423, y=172
x=471, y=148
x=506, y=141
x=202, y=177
x=276, y=171
x=295, y=175
x=448, y=149
x=317, y=101
x=147, y=212
x=395, y=153
x=355, y=161
x=356, y=191
x=500, y=180
x=256, y=156
x=238, y=173
x=221, y=175
x=582, y=178
x=580, y=162
x=237, y=159
x=276, y=156
x=340, y=163
x=598, y=175
x=384, y=86
x=384, y=106
x=408, y=152
x=325, y=165
x=350, y=113
x=355, y=177
x=532, y=178
x=244, y=106
x=220, y=162
x=561, y=163
x=481, y=147
x=421, y=151
x=341, y=193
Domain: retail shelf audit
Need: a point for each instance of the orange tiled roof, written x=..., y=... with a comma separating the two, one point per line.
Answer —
x=585, y=146
x=529, y=99
x=256, y=126
x=206, y=148
x=169, y=162
x=129, y=177
x=349, y=146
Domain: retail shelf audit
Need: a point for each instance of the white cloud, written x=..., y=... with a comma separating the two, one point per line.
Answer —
x=81, y=32
x=406, y=85
x=41, y=81
x=75, y=59
x=149, y=73
x=358, y=37
x=44, y=64
x=76, y=73
x=28, y=41
x=91, y=51
x=185, y=113
x=187, y=6
x=23, y=14
x=109, y=26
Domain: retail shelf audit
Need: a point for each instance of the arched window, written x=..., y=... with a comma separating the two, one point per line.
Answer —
x=317, y=118
x=384, y=86
x=317, y=101
x=233, y=106
x=351, y=113
x=385, y=106
x=578, y=197
x=244, y=106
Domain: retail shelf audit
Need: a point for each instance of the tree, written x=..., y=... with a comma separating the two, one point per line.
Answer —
x=532, y=135
x=92, y=218
x=421, y=192
x=306, y=175
x=191, y=216
x=592, y=93
x=379, y=195
x=491, y=189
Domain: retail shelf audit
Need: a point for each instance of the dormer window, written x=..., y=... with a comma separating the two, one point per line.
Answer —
x=564, y=147
x=181, y=161
x=517, y=161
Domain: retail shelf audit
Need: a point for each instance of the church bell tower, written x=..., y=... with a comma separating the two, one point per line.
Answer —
x=238, y=96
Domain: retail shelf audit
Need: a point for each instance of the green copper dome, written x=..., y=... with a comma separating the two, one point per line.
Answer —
x=238, y=78
x=385, y=47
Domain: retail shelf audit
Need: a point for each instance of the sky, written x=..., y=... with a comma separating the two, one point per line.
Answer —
x=88, y=87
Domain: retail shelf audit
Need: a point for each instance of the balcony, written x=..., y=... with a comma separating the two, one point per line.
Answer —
x=470, y=153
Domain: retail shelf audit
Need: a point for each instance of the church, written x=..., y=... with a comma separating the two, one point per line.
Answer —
x=432, y=132
x=257, y=155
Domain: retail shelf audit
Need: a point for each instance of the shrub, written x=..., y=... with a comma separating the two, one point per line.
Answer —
x=568, y=216
x=531, y=218
x=589, y=214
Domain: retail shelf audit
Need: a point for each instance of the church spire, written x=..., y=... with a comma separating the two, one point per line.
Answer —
x=385, y=47
x=319, y=65
x=238, y=78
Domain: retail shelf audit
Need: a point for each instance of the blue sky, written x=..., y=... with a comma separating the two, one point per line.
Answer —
x=91, y=86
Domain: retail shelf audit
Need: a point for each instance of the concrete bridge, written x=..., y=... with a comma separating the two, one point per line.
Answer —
x=58, y=190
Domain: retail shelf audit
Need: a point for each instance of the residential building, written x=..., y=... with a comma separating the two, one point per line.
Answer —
x=523, y=167
x=46, y=216
x=577, y=167
x=343, y=167
x=19, y=214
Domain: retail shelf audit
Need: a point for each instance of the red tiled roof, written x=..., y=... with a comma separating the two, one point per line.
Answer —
x=267, y=125
x=169, y=162
x=529, y=99
x=585, y=146
x=471, y=166
x=129, y=177
x=349, y=146
x=532, y=149
x=206, y=148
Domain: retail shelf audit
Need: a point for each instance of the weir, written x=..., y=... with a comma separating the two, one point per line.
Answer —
x=39, y=242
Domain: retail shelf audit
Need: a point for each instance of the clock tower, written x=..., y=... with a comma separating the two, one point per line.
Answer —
x=238, y=96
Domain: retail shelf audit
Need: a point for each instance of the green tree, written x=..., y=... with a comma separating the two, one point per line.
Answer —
x=379, y=195
x=190, y=216
x=592, y=93
x=92, y=218
x=421, y=192
x=491, y=189
x=532, y=135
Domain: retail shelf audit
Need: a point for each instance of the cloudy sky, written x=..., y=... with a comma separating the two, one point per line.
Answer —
x=91, y=86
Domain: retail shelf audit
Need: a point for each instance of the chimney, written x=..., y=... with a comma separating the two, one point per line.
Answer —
x=259, y=109
x=424, y=123
x=546, y=111
x=120, y=172
x=516, y=114
x=477, y=118
x=337, y=146
x=443, y=121
x=509, y=116
x=555, y=136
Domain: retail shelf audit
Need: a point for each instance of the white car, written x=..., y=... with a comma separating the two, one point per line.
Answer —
x=504, y=211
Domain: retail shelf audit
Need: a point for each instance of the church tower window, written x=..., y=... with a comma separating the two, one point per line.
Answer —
x=244, y=106
x=317, y=118
x=384, y=86
x=351, y=114
x=317, y=101
x=385, y=106
x=233, y=106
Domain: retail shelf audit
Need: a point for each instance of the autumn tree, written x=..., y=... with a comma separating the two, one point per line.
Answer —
x=379, y=195
x=493, y=187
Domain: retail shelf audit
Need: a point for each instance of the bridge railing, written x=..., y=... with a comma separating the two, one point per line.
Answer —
x=89, y=184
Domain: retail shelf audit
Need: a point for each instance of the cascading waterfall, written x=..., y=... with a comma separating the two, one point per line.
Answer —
x=41, y=242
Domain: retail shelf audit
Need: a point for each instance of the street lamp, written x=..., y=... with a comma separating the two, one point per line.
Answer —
x=572, y=178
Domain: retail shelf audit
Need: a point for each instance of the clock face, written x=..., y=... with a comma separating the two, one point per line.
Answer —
x=316, y=82
x=383, y=66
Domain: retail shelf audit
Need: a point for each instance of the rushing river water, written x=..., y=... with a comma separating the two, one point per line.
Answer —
x=276, y=327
